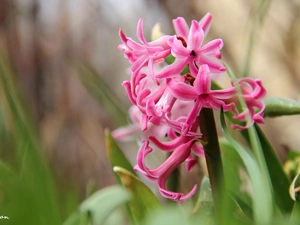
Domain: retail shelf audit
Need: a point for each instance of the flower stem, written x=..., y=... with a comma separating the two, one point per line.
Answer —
x=212, y=155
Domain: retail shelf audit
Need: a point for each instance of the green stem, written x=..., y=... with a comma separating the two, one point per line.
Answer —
x=212, y=155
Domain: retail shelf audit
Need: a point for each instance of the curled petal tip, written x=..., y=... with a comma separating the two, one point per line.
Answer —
x=122, y=36
x=179, y=197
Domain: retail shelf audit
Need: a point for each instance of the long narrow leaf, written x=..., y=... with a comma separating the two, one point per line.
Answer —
x=116, y=155
x=262, y=198
x=34, y=190
x=279, y=179
x=143, y=201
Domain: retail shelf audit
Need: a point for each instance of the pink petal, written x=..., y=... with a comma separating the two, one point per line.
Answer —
x=193, y=114
x=126, y=84
x=140, y=34
x=198, y=150
x=181, y=27
x=212, y=46
x=202, y=82
x=196, y=36
x=181, y=90
x=167, y=146
x=179, y=155
x=205, y=23
x=190, y=163
x=181, y=126
x=223, y=94
x=144, y=122
x=173, y=69
x=138, y=64
x=140, y=100
x=151, y=71
x=193, y=68
x=122, y=36
x=162, y=42
x=174, y=195
x=124, y=133
x=214, y=66
x=177, y=49
x=143, y=152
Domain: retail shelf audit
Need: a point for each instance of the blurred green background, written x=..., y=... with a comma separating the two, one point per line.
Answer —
x=60, y=86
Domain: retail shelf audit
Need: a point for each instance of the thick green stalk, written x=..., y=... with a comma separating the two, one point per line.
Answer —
x=212, y=155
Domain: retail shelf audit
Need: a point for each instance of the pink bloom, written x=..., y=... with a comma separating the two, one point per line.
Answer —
x=188, y=48
x=161, y=174
x=252, y=92
x=135, y=129
x=202, y=94
x=146, y=53
x=166, y=104
x=182, y=29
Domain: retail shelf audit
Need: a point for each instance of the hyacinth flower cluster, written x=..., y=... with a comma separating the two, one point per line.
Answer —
x=167, y=98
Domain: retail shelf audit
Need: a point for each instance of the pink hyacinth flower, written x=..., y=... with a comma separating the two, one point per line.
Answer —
x=135, y=129
x=252, y=92
x=146, y=53
x=182, y=29
x=188, y=48
x=161, y=174
x=203, y=96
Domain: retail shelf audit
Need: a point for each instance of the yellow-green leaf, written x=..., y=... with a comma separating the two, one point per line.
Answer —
x=143, y=201
x=115, y=154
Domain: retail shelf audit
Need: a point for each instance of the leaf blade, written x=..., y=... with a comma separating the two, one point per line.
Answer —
x=277, y=106
x=115, y=154
x=103, y=202
x=262, y=199
x=143, y=201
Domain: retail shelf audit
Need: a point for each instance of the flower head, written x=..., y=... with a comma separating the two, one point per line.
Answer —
x=168, y=98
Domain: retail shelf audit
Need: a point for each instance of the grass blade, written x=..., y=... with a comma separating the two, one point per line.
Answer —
x=262, y=197
x=116, y=155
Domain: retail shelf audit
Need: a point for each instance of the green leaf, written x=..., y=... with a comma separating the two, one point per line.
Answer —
x=118, y=158
x=143, y=201
x=173, y=216
x=7, y=176
x=74, y=219
x=116, y=155
x=295, y=216
x=33, y=190
x=279, y=179
x=262, y=198
x=204, y=208
x=233, y=167
x=276, y=106
x=100, y=204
